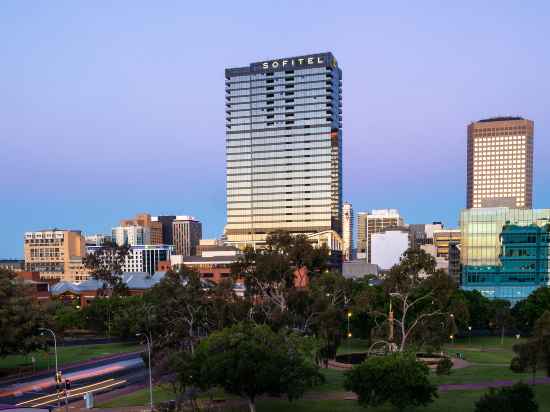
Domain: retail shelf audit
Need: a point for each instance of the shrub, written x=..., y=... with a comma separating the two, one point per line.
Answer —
x=397, y=378
x=444, y=366
x=517, y=398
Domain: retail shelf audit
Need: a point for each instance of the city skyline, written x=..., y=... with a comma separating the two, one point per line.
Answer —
x=84, y=110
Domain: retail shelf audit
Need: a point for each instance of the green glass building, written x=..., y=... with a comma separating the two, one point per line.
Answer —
x=504, y=251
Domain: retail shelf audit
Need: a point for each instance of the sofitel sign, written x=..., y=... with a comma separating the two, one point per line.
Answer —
x=289, y=63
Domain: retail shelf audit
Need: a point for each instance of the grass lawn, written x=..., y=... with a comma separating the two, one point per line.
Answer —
x=491, y=364
x=455, y=401
x=66, y=354
x=353, y=346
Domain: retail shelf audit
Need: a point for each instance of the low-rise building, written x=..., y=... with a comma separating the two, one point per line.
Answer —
x=388, y=246
x=13, y=265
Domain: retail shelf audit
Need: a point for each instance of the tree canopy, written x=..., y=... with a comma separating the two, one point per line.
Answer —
x=20, y=316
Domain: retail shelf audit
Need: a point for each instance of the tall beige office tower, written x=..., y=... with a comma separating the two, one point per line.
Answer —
x=374, y=222
x=500, y=163
x=347, y=231
x=284, y=148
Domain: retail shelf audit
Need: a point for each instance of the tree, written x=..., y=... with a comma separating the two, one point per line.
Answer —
x=517, y=398
x=420, y=297
x=397, y=378
x=527, y=311
x=444, y=366
x=535, y=353
x=502, y=317
x=270, y=274
x=106, y=265
x=20, y=316
x=181, y=309
x=250, y=360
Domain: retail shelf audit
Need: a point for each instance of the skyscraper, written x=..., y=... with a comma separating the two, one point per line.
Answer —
x=500, y=163
x=374, y=222
x=284, y=148
x=347, y=231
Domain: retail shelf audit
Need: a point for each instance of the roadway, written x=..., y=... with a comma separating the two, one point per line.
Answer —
x=97, y=376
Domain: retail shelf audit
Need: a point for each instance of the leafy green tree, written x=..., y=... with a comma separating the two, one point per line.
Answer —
x=527, y=311
x=517, y=398
x=502, y=318
x=20, y=316
x=444, y=366
x=397, y=378
x=270, y=274
x=250, y=360
x=68, y=317
x=106, y=265
x=421, y=299
x=181, y=306
x=535, y=353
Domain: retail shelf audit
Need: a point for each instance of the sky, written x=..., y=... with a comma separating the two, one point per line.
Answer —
x=108, y=109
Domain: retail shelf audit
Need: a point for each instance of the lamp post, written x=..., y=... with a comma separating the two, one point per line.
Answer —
x=150, y=376
x=469, y=335
x=56, y=362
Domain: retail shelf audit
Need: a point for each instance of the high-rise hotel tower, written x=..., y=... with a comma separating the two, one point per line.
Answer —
x=500, y=163
x=284, y=148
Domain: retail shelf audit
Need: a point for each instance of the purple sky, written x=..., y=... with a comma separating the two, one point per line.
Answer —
x=108, y=109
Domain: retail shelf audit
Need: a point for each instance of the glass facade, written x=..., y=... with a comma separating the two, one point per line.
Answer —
x=283, y=148
x=504, y=251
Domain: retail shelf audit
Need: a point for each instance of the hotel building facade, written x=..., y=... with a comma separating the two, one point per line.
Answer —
x=283, y=148
x=500, y=163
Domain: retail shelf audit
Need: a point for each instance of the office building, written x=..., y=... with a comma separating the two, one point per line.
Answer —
x=162, y=225
x=503, y=251
x=388, y=245
x=147, y=258
x=132, y=235
x=442, y=238
x=187, y=233
x=284, y=148
x=97, y=239
x=423, y=233
x=500, y=163
x=56, y=254
x=374, y=222
x=347, y=231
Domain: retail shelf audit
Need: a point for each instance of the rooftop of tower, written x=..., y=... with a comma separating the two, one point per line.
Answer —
x=500, y=119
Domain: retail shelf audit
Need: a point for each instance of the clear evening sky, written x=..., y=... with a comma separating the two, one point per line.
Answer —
x=112, y=108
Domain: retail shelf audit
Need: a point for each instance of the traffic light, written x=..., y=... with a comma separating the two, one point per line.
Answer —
x=67, y=384
x=58, y=377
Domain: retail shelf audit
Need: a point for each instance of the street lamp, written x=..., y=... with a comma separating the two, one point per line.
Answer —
x=470, y=335
x=518, y=336
x=56, y=363
x=452, y=337
x=150, y=376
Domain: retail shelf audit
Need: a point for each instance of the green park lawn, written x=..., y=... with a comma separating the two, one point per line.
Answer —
x=490, y=362
x=66, y=354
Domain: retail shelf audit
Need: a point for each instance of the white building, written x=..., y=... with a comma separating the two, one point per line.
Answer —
x=388, y=246
x=347, y=231
x=131, y=235
x=374, y=222
x=145, y=258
